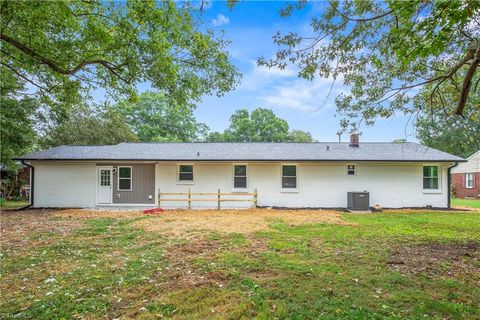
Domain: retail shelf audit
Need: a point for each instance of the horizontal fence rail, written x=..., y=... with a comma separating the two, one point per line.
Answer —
x=251, y=197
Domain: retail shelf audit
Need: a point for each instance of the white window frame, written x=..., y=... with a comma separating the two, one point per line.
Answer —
x=289, y=190
x=354, y=169
x=185, y=181
x=118, y=178
x=233, y=177
x=439, y=176
x=467, y=174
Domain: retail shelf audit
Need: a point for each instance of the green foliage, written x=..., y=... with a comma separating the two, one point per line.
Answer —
x=262, y=125
x=64, y=49
x=299, y=136
x=17, y=120
x=441, y=130
x=383, y=51
x=85, y=126
x=154, y=117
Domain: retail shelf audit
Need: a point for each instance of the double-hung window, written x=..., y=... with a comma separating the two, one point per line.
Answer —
x=185, y=173
x=469, y=184
x=430, y=178
x=289, y=177
x=239, y=176
x=124, y=178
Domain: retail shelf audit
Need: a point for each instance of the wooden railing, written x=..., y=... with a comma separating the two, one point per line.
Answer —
x=190, y=197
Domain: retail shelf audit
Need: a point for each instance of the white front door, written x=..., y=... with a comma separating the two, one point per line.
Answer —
x=104, y=185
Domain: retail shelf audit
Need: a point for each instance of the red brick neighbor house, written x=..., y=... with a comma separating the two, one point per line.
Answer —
x=466, y=178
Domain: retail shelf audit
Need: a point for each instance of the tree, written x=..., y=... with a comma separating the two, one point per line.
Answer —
x=157, y=118
x=262, y=125
x=87, y=126
x=299, y=136
x=64, y=49
x=443, y=131
x=17, y=121
x=385, y=51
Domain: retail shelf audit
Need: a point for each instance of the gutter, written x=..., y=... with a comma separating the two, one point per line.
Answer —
x=32, y=180
x=449, y=193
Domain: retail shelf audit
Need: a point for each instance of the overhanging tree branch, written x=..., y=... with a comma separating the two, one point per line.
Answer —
x=467, y=82
x=55, y=66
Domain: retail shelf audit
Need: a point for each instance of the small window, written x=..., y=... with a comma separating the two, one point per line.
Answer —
x=124, y=178
x=185, y=173
x=351, y=169
x=289, y=177
x=430, y=177
x=469, y=180
x=240, y=176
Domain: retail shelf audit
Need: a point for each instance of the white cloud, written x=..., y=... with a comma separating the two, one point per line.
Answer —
x=304, y=95
x=281, y=88
x=220, y=20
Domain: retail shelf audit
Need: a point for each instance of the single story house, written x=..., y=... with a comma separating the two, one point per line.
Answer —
x=466, y=177
x=292, y=175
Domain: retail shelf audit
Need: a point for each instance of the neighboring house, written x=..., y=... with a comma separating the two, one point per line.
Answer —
x=284, y=174
x=466, y=177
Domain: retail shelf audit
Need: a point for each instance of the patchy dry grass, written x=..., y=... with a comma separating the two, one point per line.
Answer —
x=239, y=264
x=183, y=223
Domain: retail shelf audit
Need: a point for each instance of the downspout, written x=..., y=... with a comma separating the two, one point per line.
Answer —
x=32, y=179
x=450, y=184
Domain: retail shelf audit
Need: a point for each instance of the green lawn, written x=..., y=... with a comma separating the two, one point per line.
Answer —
x=12, y=204
x=421, y=265
x=466, y=203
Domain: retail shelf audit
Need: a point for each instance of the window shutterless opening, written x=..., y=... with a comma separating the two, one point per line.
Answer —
x=240, y=176
x=351, y=169
x=124, y=178
x=469, y=183
x=430, y=178
x=289, y=177
x=185, y=172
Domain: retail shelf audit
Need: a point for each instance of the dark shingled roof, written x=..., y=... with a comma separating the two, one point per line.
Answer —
x=315, y=151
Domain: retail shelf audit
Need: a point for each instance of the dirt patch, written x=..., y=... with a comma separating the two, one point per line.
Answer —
x=17, y=227
x=182, y=271
x=240, y=221
x=437, y=259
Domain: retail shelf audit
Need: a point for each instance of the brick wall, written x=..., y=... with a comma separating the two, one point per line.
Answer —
x=458, y=181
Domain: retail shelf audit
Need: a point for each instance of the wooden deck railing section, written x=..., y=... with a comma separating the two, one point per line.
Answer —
x=190, y=197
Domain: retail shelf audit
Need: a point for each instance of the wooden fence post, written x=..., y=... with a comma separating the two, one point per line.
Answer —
x=159, y=196
x=189, y=199
x=218, y=200
x=255, y=198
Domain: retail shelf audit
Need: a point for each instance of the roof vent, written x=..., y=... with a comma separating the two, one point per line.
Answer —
x=198, y=154
x=354, y=140
x=328, y=148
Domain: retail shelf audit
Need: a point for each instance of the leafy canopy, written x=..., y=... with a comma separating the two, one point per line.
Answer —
x=63, y=49
x=443, y=131
x=262, y=125
x=385, y=51
x=88, y=126
x=156, y=118
x=16, y=122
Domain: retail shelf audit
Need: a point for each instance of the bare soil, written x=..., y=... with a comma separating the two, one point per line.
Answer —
x=437, y=259
x=181, y=222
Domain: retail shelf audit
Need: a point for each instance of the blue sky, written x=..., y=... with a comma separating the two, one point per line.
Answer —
x=249, y=27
